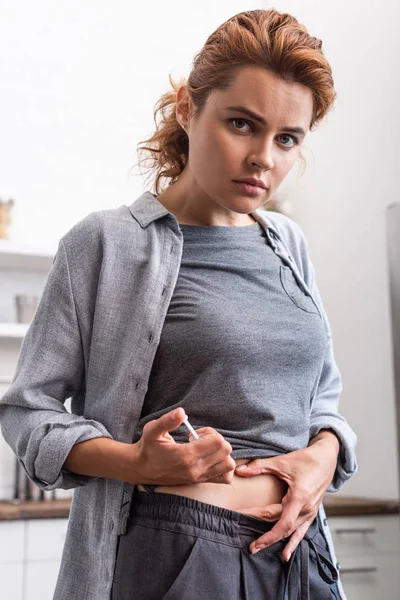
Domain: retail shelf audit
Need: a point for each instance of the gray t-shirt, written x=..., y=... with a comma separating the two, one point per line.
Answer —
x=242, y=345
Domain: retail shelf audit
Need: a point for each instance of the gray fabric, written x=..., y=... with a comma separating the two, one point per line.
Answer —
x=235, y=314
x=202, y=551
x=93, y=338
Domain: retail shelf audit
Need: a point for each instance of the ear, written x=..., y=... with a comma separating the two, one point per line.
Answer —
x=183, y=106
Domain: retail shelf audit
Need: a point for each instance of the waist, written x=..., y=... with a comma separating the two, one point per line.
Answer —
x=243, y=492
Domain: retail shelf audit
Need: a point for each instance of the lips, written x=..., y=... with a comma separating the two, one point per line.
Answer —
x=251, y=181
x=249, y=189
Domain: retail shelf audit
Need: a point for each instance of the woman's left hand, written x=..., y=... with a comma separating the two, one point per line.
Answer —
x=308, y=473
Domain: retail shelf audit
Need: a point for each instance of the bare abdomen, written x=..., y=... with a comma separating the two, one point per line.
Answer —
x=245, y=492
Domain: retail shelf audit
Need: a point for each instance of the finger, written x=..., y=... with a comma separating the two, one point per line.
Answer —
x=299, y=532
x=295, y=539
x=285, y=526
x=226, y=478
x=212, y=447
x=165, y=423
x=193, y=439
x=256, y=467
x=249, y=469
x=264, y=540
x=207, y=431
x=272, y=512
x=220, y=472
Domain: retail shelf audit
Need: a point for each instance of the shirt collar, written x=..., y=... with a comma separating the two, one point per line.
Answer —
x=147, y=209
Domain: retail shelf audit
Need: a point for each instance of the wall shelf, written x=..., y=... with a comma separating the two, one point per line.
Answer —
x=18, y=255
x=13, y=330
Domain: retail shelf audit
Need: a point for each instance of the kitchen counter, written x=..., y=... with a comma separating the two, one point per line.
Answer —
x=34, y=509
x=334, y=506
x=345, y=506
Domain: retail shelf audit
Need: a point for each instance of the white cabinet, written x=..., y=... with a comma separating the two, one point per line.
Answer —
x=372, y=578
x=11, y=581
x=44, y=545
x=45, y=539
x=368, y=551
x=40, y=580
x=12, y=542
x=30, y=556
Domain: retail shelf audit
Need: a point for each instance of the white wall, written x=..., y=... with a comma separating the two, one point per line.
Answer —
x=78, y=85
x=78, y=82
x=340, y=202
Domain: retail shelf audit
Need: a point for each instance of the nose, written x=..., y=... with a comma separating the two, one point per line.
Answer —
x=262, y=157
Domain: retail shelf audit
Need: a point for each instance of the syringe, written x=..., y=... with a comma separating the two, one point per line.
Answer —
x=196, y=435
x=192, y=431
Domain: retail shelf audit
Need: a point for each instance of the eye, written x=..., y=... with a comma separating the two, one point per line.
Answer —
x=292, y=137
x=284, y=135
x=240, y=121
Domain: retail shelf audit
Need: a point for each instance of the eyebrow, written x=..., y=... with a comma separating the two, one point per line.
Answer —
x=256, y=117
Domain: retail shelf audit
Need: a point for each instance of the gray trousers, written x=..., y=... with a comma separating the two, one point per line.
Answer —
x=177, y=548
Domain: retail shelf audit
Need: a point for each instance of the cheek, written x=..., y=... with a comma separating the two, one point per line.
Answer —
x=213, y=153
x=283, y=164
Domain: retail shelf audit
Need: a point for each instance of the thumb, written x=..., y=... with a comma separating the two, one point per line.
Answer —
x=165, y=423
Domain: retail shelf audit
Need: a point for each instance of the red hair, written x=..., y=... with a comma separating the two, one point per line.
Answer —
x=265, y=38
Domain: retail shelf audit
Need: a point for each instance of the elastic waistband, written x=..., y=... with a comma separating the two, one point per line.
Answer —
x=193, y=516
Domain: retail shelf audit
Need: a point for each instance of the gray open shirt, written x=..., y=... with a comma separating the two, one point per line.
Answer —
x=93, y=338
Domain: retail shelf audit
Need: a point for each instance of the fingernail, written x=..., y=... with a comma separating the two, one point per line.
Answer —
x=241, y=468
x=288, y=558
x=257, y=549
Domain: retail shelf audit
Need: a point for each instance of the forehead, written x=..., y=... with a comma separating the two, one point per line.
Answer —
x=267, y=94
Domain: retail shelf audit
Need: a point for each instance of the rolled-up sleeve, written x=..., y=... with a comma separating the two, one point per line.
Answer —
x=50, y=369
x=325, y=406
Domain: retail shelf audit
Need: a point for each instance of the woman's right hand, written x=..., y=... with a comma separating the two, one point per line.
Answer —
x=162, y=461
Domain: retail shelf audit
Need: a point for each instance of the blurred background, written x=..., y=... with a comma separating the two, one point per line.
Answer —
x=78, y=85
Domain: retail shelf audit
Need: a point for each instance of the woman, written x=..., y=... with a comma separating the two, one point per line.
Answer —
x=195, y=301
